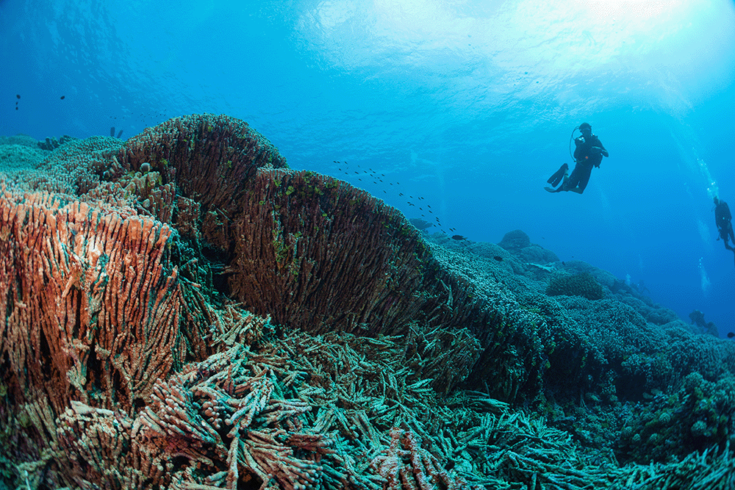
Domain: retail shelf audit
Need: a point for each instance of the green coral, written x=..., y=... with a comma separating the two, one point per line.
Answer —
x=698, y=416
x=582, y=284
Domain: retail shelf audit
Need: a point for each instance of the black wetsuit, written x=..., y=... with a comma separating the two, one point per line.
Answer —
x=723, y=218
x=585, y=159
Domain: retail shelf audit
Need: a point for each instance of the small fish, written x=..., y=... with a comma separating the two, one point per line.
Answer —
x=400, y=193
x=428, y=206
x=458, y=237
x=730, y=335
x=17, y=96
x=63, y=97
x=498, y=258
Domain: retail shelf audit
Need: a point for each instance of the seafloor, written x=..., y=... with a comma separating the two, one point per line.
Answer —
x=181, y=310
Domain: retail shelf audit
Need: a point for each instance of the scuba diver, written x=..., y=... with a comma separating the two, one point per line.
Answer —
x=588, y=153
x=723, y=219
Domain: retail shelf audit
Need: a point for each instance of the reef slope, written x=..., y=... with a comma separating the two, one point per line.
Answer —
x=181, y=310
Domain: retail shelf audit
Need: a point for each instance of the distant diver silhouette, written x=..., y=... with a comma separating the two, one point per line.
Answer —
x=723, y=220
x=587, y=154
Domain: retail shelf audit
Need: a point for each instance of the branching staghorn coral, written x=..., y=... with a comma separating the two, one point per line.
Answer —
x=234, y=418
x=90, y=300
x=404, y=464
x=283, y=233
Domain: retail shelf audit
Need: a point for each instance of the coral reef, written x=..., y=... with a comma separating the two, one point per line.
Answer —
x=697, y=318
x=19, y=139
x=420, y=224
x=184, y=311
x=50, y=144
x=582, y=284
x=516, y=240
x=699, y=415
x=519, y=243
x=18, y=157
x=92, y=298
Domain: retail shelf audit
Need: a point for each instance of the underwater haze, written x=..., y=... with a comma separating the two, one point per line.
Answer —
x=467, y=104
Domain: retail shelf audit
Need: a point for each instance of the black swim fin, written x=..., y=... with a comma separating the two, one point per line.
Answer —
x=558, y=175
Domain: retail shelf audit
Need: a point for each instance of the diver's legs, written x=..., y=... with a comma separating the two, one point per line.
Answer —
x=552, y=190
x=584, y=179
x=570, y=183
x=558, y=175
x=726, y=235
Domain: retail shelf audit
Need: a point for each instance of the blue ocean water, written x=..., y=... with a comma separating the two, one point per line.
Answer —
x=469, y=105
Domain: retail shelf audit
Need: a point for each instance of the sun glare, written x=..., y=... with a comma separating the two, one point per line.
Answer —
x=522, y=47
x=632, y=10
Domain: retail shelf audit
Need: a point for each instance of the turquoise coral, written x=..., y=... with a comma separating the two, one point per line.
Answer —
x=582, y=284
